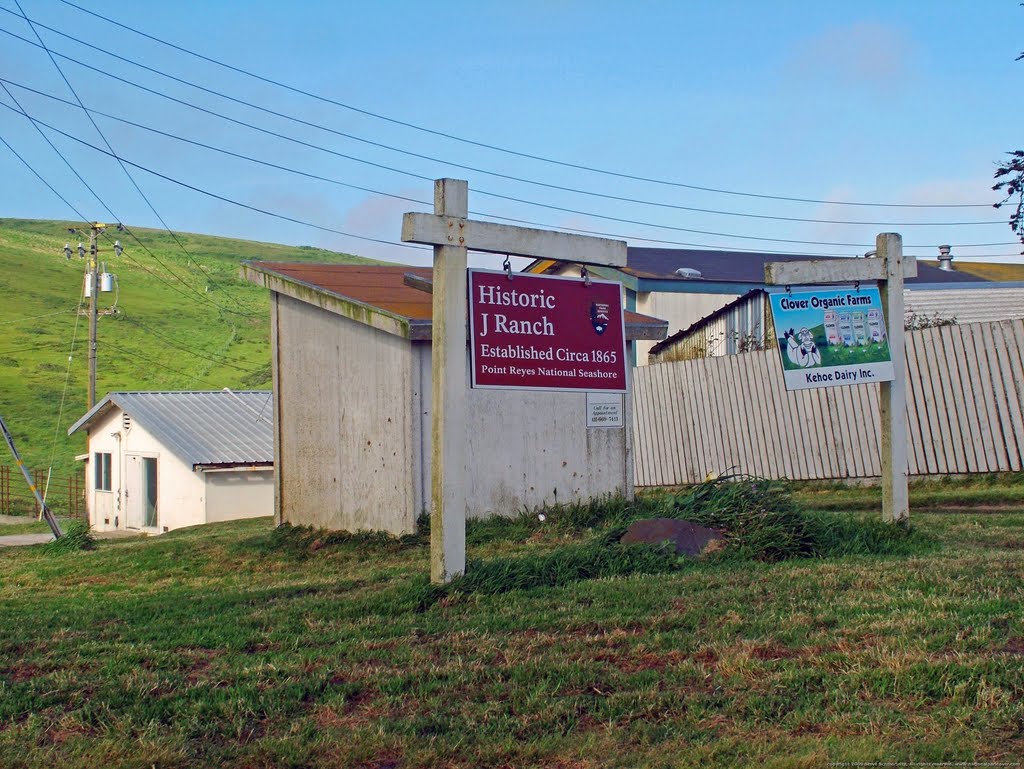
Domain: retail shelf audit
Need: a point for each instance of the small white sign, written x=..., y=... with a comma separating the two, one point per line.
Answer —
x=604, y=410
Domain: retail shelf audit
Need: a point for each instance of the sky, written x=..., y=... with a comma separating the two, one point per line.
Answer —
x=607, y=116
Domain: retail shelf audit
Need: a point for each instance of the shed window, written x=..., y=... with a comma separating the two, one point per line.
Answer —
x=101, y=461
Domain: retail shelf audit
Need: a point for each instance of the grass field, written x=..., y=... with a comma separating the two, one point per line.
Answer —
x=236, y=645
x=184, y=321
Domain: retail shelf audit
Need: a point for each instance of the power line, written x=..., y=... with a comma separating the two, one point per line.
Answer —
x=67, y=382
x=40, y=346
x=162, y=364
x=573, y=190
x=40, y=178
x=549, y=206
x=81, y=179
x=238, y=155
x=505, y=150
x=100, y=200
x=105, y=206
x=223, y=360
x=27, y=318
x=859, y=246
x=106, y=142
x=221, y=197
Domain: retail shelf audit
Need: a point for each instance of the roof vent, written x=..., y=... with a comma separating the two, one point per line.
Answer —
x=945, y=258
x=688, y=273
x=126, y=421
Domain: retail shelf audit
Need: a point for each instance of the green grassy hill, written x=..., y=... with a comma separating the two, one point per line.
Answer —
x=182, y=321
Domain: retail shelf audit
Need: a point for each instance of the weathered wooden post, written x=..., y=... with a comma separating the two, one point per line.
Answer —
x=448, y=396
x=889, y=268
x=451, y=233
x=893, y=395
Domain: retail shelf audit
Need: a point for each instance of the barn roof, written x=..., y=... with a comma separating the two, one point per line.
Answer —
x=202, y=428
x=382, y=297
x=745, y=267
x=657, y=269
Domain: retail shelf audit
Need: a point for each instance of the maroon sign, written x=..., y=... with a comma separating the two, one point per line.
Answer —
x=537, y=332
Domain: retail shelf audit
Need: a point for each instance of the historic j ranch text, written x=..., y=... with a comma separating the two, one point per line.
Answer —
x=546, y=333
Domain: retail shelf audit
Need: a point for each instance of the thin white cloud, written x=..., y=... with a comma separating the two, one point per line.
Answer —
x=866, y=53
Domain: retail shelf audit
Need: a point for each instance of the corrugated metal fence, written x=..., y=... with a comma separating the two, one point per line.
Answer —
x=965, y=408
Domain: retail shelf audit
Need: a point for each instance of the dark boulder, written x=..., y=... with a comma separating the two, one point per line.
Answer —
x=688, y=538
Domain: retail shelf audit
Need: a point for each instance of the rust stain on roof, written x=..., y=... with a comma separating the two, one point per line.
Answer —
x=384, y=287
x=381, y=287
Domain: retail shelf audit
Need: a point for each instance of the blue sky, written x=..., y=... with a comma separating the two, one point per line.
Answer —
x=906, y=102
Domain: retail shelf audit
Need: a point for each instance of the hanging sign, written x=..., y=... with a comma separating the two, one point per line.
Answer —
x=538, y=332
x=831, y=336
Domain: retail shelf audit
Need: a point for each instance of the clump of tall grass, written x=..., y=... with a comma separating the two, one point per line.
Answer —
x=595, y=559
x=759, y=518
x=760, y=521
x=304, y=541
x=75, y=538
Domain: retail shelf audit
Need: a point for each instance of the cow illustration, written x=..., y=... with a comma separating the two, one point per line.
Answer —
x=801, y=349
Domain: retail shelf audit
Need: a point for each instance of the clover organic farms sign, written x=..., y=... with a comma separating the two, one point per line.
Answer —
x=533, y=332
x=831, y=336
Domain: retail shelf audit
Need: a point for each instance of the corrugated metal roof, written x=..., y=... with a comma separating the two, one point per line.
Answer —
x=199, y=427
x=744, y=266
x=385, y=288
x=974, y=305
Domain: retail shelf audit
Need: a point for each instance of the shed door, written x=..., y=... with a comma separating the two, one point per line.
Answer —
x=141, y=492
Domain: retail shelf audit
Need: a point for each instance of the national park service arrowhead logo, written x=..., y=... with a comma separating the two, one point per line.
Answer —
x=599, y=316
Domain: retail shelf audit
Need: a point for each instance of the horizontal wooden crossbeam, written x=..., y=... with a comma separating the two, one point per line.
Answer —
x=832, y=271
x=489, y=237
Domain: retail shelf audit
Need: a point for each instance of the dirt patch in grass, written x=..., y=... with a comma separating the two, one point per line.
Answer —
x=59, y=734
x=706, y=657
x=770, y=652
x=1014, y=646
x=22, y=672
x=386, y=761
x=199, y=662
x=630, y=664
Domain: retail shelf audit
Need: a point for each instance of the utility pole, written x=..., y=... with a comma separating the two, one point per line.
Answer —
x=93, y=284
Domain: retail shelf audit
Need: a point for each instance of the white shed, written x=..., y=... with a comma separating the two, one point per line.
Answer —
x=159, y=461
x=352, y=390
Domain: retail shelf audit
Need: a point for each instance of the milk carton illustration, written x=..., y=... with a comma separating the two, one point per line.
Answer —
x=846, y=329
x=876, y=327
x=860, y=328
x=832, y=337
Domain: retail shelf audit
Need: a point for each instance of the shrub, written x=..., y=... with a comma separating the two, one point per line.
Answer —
x=759, y=518
x=76, y=537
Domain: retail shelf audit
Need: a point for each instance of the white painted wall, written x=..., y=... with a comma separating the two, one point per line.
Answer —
x=181, y=492
x=104, y=507
x=345, y=420
x=237, y=493
x=680, y=310
x=528, y=449
x=353, y=414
